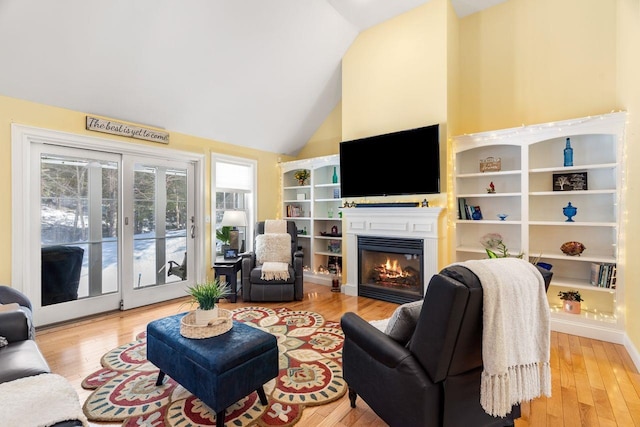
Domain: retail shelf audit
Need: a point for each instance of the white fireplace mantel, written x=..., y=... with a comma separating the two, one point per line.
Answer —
x=403, y=222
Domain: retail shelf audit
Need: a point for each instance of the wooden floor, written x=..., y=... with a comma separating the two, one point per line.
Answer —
x=594, y=383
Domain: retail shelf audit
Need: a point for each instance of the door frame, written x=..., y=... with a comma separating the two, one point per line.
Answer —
x=22, y=138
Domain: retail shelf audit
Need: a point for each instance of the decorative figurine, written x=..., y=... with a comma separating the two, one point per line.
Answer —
x=425, y=203
x=492, y=188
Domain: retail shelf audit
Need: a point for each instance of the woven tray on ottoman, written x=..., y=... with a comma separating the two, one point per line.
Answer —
x=222, y=324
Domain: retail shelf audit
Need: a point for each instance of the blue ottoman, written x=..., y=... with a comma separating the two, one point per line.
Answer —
x=219, y=370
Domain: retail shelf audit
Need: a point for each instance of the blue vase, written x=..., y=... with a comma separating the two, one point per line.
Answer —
x=569, y=211
x=477, y=214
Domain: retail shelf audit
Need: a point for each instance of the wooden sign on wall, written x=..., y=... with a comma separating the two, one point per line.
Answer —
x=123, y=129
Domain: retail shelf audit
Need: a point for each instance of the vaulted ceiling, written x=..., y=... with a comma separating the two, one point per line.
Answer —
x=256, y=73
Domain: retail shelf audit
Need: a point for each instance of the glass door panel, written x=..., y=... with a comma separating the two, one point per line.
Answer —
x=78, y=222
x=162, y=223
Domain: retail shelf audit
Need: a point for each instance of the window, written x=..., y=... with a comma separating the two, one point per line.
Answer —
x=233, y=188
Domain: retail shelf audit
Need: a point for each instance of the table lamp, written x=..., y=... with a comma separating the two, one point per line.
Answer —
x=234, y=219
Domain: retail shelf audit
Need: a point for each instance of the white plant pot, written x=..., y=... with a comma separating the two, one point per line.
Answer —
x=203, y=317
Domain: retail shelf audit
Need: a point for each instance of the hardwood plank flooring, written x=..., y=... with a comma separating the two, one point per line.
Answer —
x=594, y=383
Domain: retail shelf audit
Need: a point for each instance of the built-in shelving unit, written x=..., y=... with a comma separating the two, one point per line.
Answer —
x=530, y=156
x=315, y=207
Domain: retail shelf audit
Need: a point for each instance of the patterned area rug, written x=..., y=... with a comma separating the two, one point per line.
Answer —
x=310, y=374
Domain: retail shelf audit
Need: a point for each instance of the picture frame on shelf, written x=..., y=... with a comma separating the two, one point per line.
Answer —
x=491, y=164
x=574, y=181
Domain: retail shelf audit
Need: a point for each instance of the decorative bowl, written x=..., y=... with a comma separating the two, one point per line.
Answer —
x=572, y=248
x=502, y=216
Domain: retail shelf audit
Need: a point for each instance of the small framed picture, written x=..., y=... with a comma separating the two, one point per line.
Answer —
x=575, y=181
x=230, y=254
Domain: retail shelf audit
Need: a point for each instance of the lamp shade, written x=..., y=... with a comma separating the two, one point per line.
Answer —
x=234, y=219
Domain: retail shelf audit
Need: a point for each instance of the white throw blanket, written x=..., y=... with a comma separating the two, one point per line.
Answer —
x=40, y=400
x=273, y=250
x=516, y=333
x=275, y=271
x=276, y=226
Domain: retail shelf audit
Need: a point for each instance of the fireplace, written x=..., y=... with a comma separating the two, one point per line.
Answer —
x=390, y=269
x=408, y=234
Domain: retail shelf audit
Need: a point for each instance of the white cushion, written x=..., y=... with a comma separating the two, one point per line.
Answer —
x=273, y=247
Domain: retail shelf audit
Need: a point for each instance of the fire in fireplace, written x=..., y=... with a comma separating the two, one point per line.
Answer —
x=390, y=269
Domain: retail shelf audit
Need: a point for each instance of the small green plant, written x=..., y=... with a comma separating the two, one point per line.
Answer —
x=223, y=234
x=570, y=296
x=207, y=294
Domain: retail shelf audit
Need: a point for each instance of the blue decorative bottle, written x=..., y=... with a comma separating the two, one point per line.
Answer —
x=568, y=153
x=334, y=178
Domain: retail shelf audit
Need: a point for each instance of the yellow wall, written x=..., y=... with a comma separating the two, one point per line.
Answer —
x=326, y=140
x=536, y=61
x=43, y=116
x=628, y=97
x=394, y=74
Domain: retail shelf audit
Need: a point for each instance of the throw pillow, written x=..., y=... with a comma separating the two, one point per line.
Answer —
x=381, y=325
x=273, y=247
x=3, y=342
x=403, y=321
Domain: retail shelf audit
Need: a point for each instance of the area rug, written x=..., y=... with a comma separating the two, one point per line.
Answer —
x=310, y=374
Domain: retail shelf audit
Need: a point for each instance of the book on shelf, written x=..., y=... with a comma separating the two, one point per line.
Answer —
x=603, y=275
x=462, y=208
x=294, y=211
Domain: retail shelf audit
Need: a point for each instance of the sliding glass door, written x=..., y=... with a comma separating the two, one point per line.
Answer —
x=115, y=231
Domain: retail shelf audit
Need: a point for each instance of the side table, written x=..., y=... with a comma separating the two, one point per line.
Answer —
x=229, y=268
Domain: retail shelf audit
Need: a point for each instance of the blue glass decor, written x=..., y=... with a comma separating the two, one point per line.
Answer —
x=569, y=211
x=502, y=216
x=568, y=153
x=477, y=213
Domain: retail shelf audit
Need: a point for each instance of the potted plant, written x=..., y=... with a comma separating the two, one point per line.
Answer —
x=224, y=235
x=302, y=175
x=495, y=247
x=207, y=295
x=570, y=301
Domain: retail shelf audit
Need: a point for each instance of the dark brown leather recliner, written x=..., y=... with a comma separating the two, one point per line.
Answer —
x=434, y=380
x=254, y=288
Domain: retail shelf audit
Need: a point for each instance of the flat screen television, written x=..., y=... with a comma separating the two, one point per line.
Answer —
x=398, y=163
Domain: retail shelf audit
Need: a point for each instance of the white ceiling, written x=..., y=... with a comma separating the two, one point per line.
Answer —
x=256, y=73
